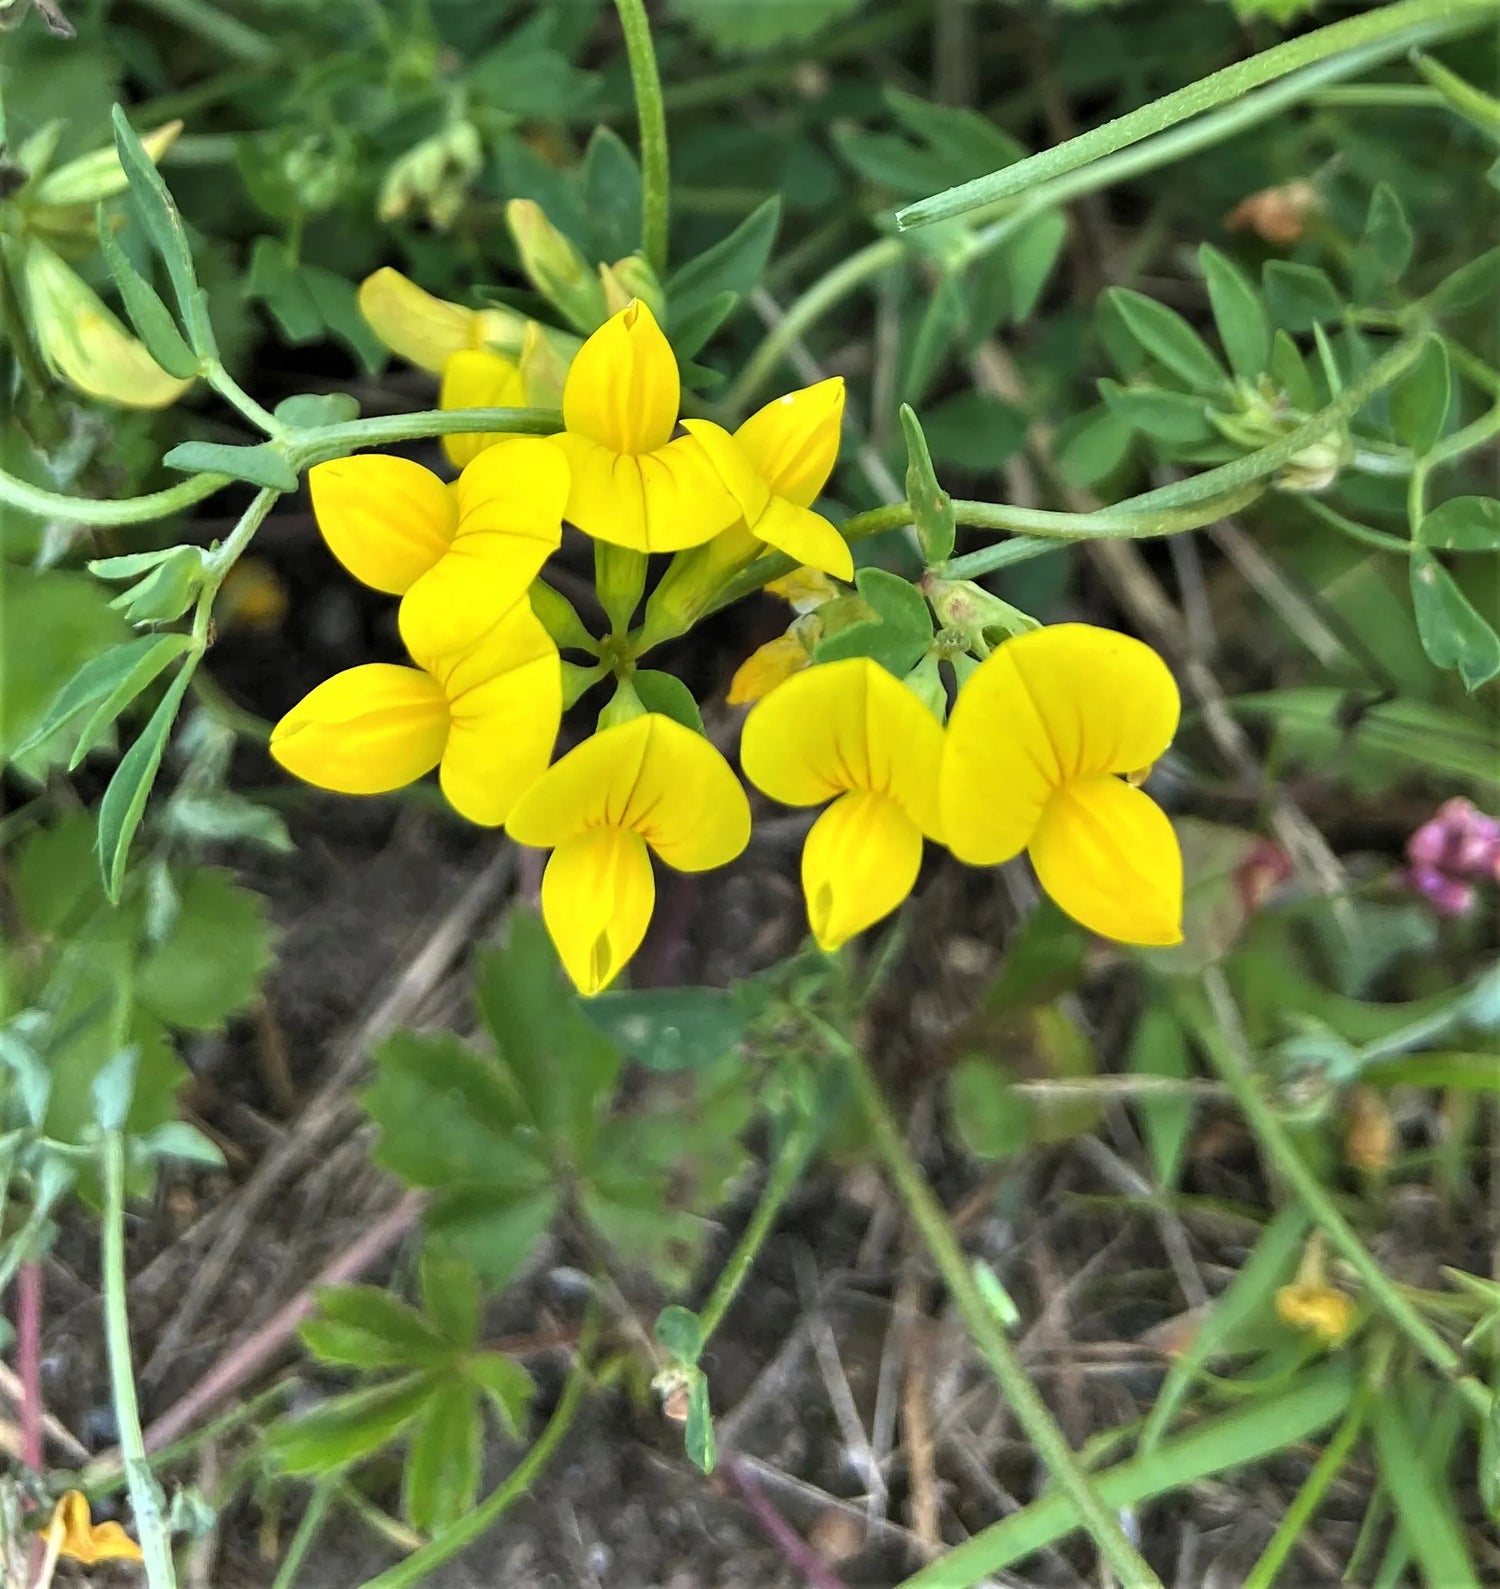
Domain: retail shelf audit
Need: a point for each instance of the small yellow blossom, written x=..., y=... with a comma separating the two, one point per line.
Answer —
x=427, y=331
x=645, y=785
x=485, y=715
x=77, y=1535
x=804, y=589
x=251, y=597
x=475, y=378
x=767, y=666
x=634, y=483
x=1322, y=1310
x=461, y=554
x=1039, y=744
x=851, y=733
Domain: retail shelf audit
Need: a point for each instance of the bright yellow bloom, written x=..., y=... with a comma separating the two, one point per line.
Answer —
x=767, y=666
x=84, y=1540
x=1037, y=744
x=474, y=378
x=1321, y=1310
x=85, y=344
x=486, y=716
x=461, y=554
x=851, y=733
x=648, y=782
x=634, y=483
x=427, y=331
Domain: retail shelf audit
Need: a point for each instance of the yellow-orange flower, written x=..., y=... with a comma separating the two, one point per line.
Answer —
x=78, y=1537
x=1040, y=744
x=648, y=784
x=1321, y=1310
x=851, y=733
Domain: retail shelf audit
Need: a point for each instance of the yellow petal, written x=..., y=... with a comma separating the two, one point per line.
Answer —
x=365, y=731
x=859, y=862
x=86, y=345
x=425, y=330
x=1107, y=854
x=509, y=510
x=840, y=726
x=794, y=440
x=732, y=465
x=660, y=501
x=597, y=896
x=766, y=667
x=387, y=520
x=650, y=775
x=1044, y=707
x=473, y=378
x=623, y=388
x=505, y=703
x=804, y=588
x=805, y=535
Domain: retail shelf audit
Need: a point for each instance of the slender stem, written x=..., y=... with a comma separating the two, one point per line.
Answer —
x=307, y=1530
x=656, y=196
x=133, y=510
x=801, y=1557
x=335, y=441
x=156, y=1543
x=241, y=401
x=1030, y=1410
x=1219, y=1031
x=1379, y=539
x=468, y=1528
x=29, y=1360
x=1413, y=21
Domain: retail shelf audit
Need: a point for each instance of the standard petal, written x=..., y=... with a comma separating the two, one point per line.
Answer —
x=365, y=731
x=662, y=501
x=387, y=520
x=1106, y=852
x=597, y=897
x=794, y=440
x=859, y=862
x=475, y=379
x=805, y=535
x=840, y=726
x=423, y=329
x=623, y=389
x=502, y=737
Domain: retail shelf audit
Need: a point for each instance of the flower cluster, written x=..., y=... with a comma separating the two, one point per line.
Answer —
x=1043, y=752
x=1457, y=847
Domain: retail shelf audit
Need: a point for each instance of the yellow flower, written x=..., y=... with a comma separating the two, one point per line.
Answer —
x=767, y=666
x=790, y=446
x=646, y=783
x=634, y=483
x=1037, y=743
x=85, y=344
x=1321, y=1310
x=485, y=715
x=804, y=589
x=427, y=331
x=85, y=1540
x=474, y=378
x=851, y=733
x=461, y=554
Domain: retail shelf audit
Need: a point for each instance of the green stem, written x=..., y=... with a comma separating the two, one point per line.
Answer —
x=223, y=31
x=1379, y=539
x=656, y=195
x=84, y=510
x=145, y=1500
x=1412, y=21
x=1030, y=1410
x=307, y=1531
x=1217, y=1029
x=335, y=441
x=468, y=1528
x=241, y=401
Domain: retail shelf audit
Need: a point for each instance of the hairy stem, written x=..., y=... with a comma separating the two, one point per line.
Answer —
x=656, y=197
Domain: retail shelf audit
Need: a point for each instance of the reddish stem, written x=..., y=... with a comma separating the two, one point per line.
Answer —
x=29, y=1360
x=774, y=1526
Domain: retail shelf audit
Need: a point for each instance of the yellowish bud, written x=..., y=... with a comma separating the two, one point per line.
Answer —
x=433, y=175
x=1321, y=1310
x=99, y=174
x=769, y=665
x=428, y=331
x=544, y=368
x=804, y=589
x=555, y=267
x=633, y=277
x=1371, y=1134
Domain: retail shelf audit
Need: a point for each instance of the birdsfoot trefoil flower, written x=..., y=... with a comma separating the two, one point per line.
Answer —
x=73, y=1533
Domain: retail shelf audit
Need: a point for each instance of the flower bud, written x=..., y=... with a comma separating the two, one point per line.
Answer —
x=1317, y=466
x=544, y=367
x=1319, y=1309
x=433, y=175
x=1277, y=215
x=99, y=174
x=427, y=331
x=969, y=611
x=632, y=277
x=555, y=267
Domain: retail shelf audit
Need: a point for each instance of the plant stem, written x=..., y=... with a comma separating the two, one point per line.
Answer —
x=29, y=1360
x=307, y=1530
x=335, y=441
x=1030, y=1410
x=84, y=510
x=156, y=1543
x=1218, y=1029
x=240, y=400
x=468, y=1528
x=1412, y=21
x=650, y=112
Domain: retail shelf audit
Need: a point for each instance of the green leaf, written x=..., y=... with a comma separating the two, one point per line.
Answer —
x=210, y=965
x=1158, y=1048
x=313, y=410
x=1384, y=252
x=1479, y=109
x=973, y=430
x=1289, y=371
x=1030, y=256
x=385, y=1318
x=1473, y=283
x=1171, y=417
x=990, y=1118
x=1091, y=445
x=451, y=1295
x=509, y=1387
x=897, y=637
x=495, y=1228
x=112, y=1090
x=1453, y=632
x=931, y=506
x=1216, y=905
x=1239, y=314
x=695, y=327
x=124, y=801
x=442, y=1464
x=1462, y=524
x=166, y=649
x=29, y=1070
x=1170, y=340
x=148, y=314
x=1300, y=296
x=1420, y=399
x=735, y=27
x=734, y=264
x=168, y=590
x=944, y=318
x=698, y=1433
x=55, y=884
x=669, y=1029
x=349, y=1427
x=680, y=1332
x=128, y=668
x=1433, y=1529
x=261, y=465
x=612, y=193
x=667, y=694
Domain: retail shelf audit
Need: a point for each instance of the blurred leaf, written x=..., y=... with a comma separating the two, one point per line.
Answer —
x=509, y=1387
x=1239, y=315
x=698, y=1433
x=693, y=329
x=227, y=818
x=931, y=337
x=495, y=1227
x=124, y=801
x=1289, y=370
x=1091, y=445
x=366, y=1327
x=732, y=26
x=1420, y=399
x=989, y=1117
x=1384, y=252
x=973, y=430
x=1472, y=283
x=55, y=884
x=939, y=147
x=450, y=1294
x=734, y=264
x=680, y=1332
x=667, y=694
x=1158, y=1048
x=1170, y=340
x=349, y=1427
x=1175, y=418
x=118, y=673
x=612, y=191
x=113, y=1089
x=1216, y=901
x=442, y=1463
x=1479, y=109
x=1030, y=257
x=1453, y=633
x=1300, y=296
x=1434, y=1531
x=669, y=1029
x=211, y=965
x=1462, y=524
